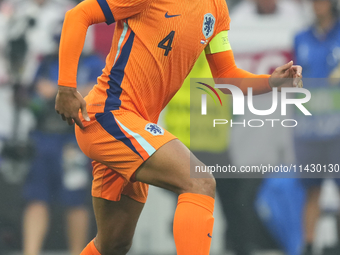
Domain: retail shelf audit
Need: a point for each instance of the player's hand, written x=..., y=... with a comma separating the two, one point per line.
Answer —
x=67, y=104
x=288, y=75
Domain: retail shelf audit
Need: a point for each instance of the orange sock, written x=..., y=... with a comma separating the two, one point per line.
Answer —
x=193, y=224
x=90, y=249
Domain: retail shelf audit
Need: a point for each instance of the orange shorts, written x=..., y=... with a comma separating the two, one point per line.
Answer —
x=119, y=142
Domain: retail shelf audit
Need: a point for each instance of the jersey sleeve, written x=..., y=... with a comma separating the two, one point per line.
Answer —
x=220, y=40
x=225, y=71
x=72, y=39
x=223, y=19
x=121, y=9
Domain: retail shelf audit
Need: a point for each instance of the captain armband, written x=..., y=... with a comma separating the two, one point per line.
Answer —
x=219, y=43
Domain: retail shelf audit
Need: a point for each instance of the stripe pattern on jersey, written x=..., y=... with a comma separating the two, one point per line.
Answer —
x=107, y=11
x=149, y=149
x=117, y=72
x=109, y=123
x=120, y=132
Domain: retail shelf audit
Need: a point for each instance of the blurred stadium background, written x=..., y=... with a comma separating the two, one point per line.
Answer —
x=262, y=37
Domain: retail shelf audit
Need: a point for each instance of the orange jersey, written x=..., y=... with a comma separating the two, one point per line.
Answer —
x=154, y=47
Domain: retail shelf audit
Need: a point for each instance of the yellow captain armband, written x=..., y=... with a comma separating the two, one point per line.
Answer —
x=218, y=44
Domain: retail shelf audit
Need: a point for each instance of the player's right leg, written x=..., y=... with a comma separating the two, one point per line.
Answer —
x=115, y=235
x=117, y=205
x=116, y=223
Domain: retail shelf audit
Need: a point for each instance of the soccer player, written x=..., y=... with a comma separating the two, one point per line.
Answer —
x=154, y=47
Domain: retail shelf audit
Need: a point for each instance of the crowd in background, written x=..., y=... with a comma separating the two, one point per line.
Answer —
x=45, y=180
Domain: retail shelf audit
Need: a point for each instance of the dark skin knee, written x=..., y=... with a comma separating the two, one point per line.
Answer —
x=206, y=186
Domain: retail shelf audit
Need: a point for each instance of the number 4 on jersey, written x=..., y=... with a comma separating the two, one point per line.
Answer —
x=167, y=42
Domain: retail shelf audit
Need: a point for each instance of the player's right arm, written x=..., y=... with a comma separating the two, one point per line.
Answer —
x=76, y=23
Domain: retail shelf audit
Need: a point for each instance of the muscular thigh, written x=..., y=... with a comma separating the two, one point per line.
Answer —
x=170, y=168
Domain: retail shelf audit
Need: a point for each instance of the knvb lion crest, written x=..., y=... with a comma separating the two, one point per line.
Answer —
x=208, y=25
x=154, y=129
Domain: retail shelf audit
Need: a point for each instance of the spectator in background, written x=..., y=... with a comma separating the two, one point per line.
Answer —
x=261, y=39
x=5, y=13
x=317, y=139
x=33, y=23
x=28, y=37
x=59, y=170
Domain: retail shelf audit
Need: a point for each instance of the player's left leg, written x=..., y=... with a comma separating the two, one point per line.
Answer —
x=169, y=168
x=116, y=223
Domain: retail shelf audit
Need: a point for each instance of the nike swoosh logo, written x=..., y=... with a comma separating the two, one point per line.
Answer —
x=209, y=235
x=171, y=16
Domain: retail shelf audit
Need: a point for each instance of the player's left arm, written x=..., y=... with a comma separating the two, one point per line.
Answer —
x=222, y=65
